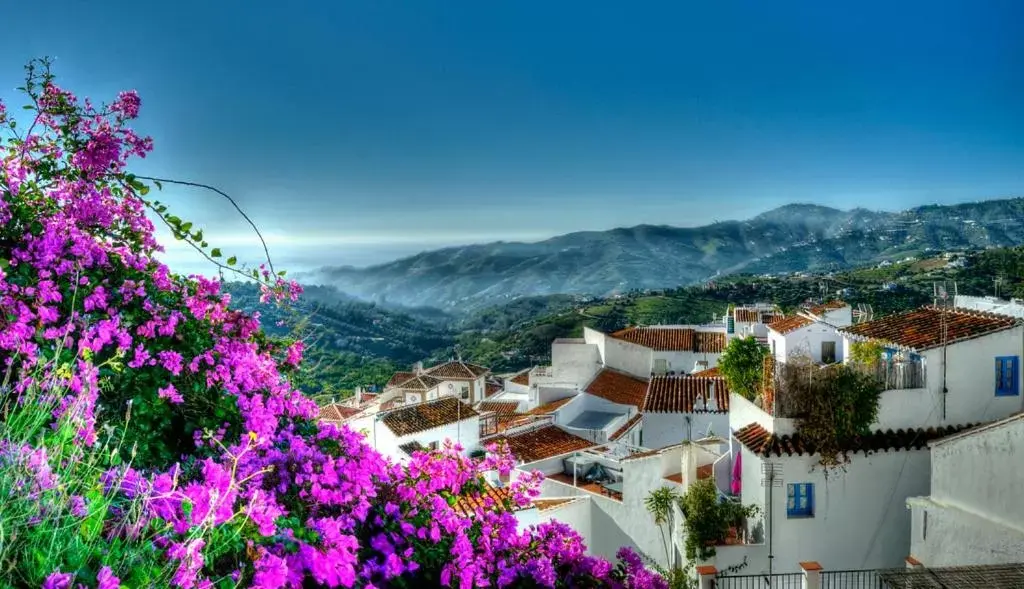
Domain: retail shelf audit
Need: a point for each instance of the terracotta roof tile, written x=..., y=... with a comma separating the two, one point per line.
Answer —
x=626, y=427
x=745, y=315
x=710, y=372
x=618, y=387
x=492, y=388
x=548, y=504
x=458, y=370
x=399, y=378
x=500, y=408
x=424, y=416
x=490, y=498
x=675, y=478
x=789, y=324
x=760, y=441
x=523, y=378
x=673, y=339
x=423, y=382
x=922, y=329
x=678, y=394
x=337, y=412
x=549, y=407
x=826, y=307
x=367, y=397
x=544, y=442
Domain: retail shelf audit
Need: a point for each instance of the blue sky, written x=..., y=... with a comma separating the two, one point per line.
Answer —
x=362, y=130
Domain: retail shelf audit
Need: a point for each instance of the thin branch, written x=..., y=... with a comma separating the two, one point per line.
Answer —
x=266, y=250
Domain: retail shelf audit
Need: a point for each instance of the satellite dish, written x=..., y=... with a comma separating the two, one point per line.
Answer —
x=451, y=386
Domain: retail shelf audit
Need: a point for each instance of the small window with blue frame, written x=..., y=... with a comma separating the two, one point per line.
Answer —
x=800, y=500
x=1007, y=376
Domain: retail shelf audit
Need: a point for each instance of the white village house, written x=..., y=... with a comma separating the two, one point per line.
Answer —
x=642, y=351
x=463, y=380
x=397, y=432
x=974, y=514
x=680, y=408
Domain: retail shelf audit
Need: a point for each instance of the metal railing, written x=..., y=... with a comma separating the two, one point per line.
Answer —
x=784, y=382
x=852, y=580
x=773, y=581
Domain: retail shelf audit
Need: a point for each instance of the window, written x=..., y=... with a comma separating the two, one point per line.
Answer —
x=800, y=500
x=488, y=425
x=1007, y=376
x=924, y=526
x=465, y=393
x=828, y=352
x=433, y=446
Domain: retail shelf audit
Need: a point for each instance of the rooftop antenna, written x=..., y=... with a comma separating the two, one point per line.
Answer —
x=772, y=478
x=997, y=281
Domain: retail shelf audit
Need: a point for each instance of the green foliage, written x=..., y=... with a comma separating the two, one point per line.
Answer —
x=838, y=404
x=866, y=352
x=742, y=365
x=709, y=520
x=659, y=503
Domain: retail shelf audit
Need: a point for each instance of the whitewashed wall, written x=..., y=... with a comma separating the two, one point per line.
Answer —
x=806, y=342
x=575, y=361
x=975, y=515
x=466, y=432
x=860, y=518
x=665, y=429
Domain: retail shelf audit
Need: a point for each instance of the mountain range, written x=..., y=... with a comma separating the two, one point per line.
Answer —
x=792, y=238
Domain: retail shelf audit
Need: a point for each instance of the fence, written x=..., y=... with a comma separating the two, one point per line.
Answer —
x=784, y=383
x=852, y=580
x=773, y=581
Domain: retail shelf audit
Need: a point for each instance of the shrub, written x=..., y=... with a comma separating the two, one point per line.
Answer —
x=224, y=477
x=742, y=365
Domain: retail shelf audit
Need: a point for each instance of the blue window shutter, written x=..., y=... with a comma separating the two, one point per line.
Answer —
x=1015, y=371
x=1007, y=376
x=810, y=498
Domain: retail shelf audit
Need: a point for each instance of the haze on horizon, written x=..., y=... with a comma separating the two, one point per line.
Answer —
x=358, y=132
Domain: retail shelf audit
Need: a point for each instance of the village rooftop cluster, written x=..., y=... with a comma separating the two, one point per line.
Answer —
x=617, y=416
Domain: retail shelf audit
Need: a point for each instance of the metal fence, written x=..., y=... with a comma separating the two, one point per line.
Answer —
x=852, y=580
x=774, y=581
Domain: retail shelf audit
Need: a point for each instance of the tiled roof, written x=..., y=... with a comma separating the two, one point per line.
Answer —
x=673, y=339
x=760, y=441
x=789, y=324
x=993, y=576
x=337, y=412
x=422, y=382
x=458, y=370
x=523, y=378
x=626, y=427
x=492, y=388
x=618, y=388
x=922, y=329
x=716, y=371
x=491, y=498
x=413, y=446
x=544, y=442
x=826, y=307
x=367, y=397
x=399, y=378
x=745, y=315
x=678, y=394
x=501, y=408
x=424, y=416
x=548, y=504
x=649, y=453
x=549, y=407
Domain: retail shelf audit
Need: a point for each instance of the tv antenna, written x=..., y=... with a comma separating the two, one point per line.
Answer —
x=772, y=478
x=863, y=313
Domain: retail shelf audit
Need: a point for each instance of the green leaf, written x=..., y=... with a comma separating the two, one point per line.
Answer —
x=143, y=189
x=186, y=227
x=215, y=253
x=232, y=260
x=158, y=185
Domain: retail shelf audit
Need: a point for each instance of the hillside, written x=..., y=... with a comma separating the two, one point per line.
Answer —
x=602, y=263
x=889, y=289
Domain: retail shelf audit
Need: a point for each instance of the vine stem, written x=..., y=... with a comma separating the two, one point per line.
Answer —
x=234, y=203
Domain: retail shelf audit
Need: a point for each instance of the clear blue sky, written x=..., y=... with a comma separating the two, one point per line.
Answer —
x=359, y=130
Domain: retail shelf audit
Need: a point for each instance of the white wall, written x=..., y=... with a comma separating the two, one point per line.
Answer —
x=806, y=342
x=665, y=429
x=970, y=380
x=466, y=432
x=975, y=512
x=575, y=361
x=860, y=519
x=743, y=413
x=842, y=317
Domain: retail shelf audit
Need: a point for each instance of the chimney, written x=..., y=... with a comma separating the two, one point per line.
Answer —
x=417, y=368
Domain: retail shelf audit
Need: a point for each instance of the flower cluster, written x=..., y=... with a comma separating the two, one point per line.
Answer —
x=224, y=474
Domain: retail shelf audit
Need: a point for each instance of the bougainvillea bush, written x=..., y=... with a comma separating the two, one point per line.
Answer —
x=150, y=436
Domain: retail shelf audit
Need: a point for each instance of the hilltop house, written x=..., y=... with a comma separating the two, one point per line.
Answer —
x=642, y=351
x=679, y=408
x=463, y=380
x=934, y=361
x=398, y=432
x=751, y=320
x=973, y=515
x=803, y=336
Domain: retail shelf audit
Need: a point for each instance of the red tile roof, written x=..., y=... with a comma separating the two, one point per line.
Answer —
x=789, y=324
x=673, y=339
x=618, y=387
x=458, y=370
x=523, y=378
x=626, y=427
x=826, y=307
x=492, y=388
x=337, y=412
x=500, y=408
x=716, y=371
x=678, y=394
x=490, y=498
x=422, y=382
x=760, y=441
x=544, y=442
x=549, y=407
x=922, y=329
x=424, y=416
x=745, y=315
x=399, y=378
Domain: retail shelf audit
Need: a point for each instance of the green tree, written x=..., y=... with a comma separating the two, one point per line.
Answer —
x=742, y=365
x=659, y=504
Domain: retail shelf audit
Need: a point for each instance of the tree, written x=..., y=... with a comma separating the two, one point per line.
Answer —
x=659, y=503
x=742, y=365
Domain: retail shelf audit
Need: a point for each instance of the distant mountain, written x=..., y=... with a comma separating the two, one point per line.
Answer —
x=792, y=238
